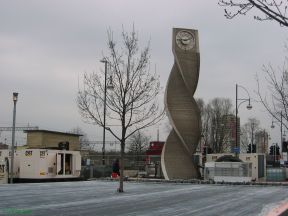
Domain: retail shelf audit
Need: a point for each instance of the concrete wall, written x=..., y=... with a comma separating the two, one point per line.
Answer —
x=254, y=159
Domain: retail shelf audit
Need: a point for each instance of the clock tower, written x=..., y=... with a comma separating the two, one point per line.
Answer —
x=181, y=107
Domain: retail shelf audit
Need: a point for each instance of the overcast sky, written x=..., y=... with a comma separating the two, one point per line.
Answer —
x=46, y=45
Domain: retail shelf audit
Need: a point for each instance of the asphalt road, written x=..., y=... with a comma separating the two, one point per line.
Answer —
x=101, y=198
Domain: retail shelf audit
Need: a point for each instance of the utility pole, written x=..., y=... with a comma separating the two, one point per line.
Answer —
x=15, y=97
x=104, y=117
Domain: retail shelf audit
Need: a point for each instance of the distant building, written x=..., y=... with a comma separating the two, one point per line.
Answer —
x=229, y=125
x=52, y=139
x=261, y=141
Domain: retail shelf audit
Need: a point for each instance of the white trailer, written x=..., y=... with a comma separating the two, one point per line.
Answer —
x=3, y=172
x=44, y=164
x=5, y=155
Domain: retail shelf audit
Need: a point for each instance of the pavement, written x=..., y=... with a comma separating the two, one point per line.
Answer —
x=139, y=198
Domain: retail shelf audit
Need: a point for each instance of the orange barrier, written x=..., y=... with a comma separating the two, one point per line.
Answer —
x=114, y=175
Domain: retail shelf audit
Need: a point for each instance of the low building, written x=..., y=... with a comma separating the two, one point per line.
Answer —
x=52, y=139
x=258, y=163
x=228, y=171
x=228, y=131
x=261, y=141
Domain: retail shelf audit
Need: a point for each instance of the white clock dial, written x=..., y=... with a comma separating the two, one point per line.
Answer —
x=185, y=40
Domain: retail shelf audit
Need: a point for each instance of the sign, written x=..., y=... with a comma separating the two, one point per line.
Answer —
x=236, y=150
x=42, y=154
x=28, y=153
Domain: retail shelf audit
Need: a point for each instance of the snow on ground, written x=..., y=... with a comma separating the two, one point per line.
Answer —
x=101, y=198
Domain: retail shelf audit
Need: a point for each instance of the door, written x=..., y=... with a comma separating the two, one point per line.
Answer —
x=59, y=163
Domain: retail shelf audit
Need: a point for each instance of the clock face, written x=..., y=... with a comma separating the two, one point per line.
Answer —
x=185, y=40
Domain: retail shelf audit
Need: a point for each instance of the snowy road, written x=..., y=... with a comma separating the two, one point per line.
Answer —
x=101, y=198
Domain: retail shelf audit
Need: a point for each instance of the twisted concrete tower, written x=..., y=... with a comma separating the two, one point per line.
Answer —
x=181, y=108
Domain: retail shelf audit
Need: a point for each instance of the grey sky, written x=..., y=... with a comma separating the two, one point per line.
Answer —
x=46, y=45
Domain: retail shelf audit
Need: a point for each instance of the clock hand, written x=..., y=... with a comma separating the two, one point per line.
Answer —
x=185, y=40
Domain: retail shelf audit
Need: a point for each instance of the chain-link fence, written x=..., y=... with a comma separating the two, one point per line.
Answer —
x=134, y=165
x=276, y=174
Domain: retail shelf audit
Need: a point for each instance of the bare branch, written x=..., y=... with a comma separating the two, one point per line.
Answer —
x=215, y=123
x=133, y=103
x=277, y=86
x=268, y=9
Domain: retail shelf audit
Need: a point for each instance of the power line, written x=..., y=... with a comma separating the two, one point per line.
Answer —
x=19, y=128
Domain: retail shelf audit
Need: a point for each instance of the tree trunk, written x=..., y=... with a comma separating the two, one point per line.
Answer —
x=121, y=179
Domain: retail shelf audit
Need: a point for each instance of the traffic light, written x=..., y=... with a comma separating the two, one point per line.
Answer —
x=274, y=150
x=285, y=146
x=207, y=150
x=277, y=150
x=249, y=148
x=253, y=148
x=271, y=152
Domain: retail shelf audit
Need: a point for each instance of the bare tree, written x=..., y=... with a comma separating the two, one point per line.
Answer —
x=248, y=132
x=205, y=119
x=268, y=9
x=220, y=108
x=215, y=131
x=133, y=104
x=138, y=144
x=244, y=140
x=275, y=96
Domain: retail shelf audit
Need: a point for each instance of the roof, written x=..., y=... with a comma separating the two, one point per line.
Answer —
x=54, y=132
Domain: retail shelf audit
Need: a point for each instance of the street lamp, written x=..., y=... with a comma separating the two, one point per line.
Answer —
x=249, y=107
x=109, y=86
x=15, y=97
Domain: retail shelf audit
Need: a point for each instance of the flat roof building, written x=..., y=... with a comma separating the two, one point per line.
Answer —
x=52, y=139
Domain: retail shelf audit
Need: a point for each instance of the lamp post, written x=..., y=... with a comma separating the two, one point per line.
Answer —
x=15, y=97
x=264, y=142
x=249, y=107
x=281, y=129
x=252, y=137
x=104, y=112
